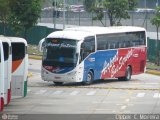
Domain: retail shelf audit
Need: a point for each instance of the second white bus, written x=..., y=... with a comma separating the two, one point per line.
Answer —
x=19, y=66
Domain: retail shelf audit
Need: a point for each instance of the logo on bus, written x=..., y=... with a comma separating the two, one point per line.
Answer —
x=115, y=64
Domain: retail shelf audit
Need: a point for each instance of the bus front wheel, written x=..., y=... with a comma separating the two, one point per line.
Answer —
x=127, y=75
x=89, y=79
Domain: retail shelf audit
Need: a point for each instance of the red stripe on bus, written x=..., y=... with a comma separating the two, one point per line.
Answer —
x=9, y=96
x=15, y=65
x=1, y=104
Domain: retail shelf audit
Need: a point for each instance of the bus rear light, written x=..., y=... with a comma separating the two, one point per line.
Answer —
x=9, y=96
x=2, y=104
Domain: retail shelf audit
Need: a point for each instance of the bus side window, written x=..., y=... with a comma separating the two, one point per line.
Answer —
x=87, y=47
x=16, y=47
x=6, y=50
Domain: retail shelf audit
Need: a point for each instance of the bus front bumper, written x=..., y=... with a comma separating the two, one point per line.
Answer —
x=66, y=78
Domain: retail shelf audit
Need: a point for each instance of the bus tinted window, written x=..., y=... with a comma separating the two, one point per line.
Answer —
x=87, y=47
x=6, y=50
x=60, y=52
x=18, y=51
x=120, y=40
x=108, y=41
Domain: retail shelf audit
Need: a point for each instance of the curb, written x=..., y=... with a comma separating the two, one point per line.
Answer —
x=35, y=57
x=153, y=72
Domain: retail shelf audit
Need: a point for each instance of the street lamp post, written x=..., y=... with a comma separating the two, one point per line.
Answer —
x=157, y=3
x=146, y=13
x=64, y=14
x=54, y=12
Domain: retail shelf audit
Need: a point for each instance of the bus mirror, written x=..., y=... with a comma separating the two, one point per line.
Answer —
x=41, y=45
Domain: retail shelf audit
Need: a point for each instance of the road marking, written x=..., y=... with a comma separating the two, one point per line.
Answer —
x=48, y=93
x=156, y=95
x=74, y=93
x=119, y=104
x=113, y=111
x=127, y=100
x=140, y=95
x=130, y=104
x=57, y=92
x=103, y=110
x=41, y=92
x=123, y=107
x=91, y=93
x=152, y=83
x=96, y=102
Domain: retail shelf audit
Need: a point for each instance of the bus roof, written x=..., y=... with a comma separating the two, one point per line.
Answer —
x=5, y=39
x=79, y=33
x=76, y=35
x=106, y=30
x=17, y=39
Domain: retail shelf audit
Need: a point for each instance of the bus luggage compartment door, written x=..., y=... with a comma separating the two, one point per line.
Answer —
x=17, y=86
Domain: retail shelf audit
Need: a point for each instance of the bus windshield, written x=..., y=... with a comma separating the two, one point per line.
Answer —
x=60, y=52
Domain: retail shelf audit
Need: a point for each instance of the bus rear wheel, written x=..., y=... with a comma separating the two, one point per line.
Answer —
x=89, y=79
x=127, y=75
x=58, y=83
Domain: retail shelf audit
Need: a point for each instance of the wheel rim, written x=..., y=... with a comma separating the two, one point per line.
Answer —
x=128, y=74
x=89, y=77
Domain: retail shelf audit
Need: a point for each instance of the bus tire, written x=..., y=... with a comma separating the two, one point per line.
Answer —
x=89, y=78
x=58, y=83
x=128, y=74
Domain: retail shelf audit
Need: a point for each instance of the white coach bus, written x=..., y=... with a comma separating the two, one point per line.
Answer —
x=7, y=69
x=1, y=77
x=19, y=67
x=85, y=54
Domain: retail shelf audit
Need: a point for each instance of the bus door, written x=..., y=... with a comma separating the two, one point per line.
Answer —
x=87, y=54
x=1, y=77
x=7, y=69
x=19, y=67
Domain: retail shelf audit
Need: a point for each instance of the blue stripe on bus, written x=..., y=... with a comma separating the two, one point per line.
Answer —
x=97, y=65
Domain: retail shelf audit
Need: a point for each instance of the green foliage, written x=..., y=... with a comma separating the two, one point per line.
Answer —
x=116, y=9
x=156, y=19
x=57, y=3
x=24, y=14
x=4, y=10
x=132, y=4
x=95, y=6
x=90, y=5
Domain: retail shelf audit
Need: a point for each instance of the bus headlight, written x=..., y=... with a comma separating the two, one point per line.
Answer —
x=72, y=73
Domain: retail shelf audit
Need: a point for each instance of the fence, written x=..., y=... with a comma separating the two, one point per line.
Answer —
x=141, y=19
x=153, y=50
x=34, y=35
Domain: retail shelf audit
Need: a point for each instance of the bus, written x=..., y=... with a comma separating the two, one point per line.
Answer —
x=85, y=54
x=7, y=69
x=1, y=77
x=19, y=67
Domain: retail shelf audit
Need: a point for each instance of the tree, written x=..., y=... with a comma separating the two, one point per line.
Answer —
x=116, y=9
x=95, y=6
x=4, y=11
x=156, y=21
x=24, y=14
